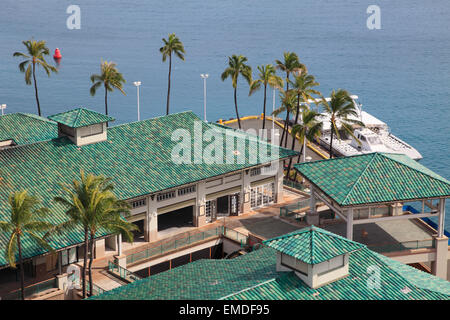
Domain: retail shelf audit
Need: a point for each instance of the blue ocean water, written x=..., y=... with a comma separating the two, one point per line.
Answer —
x=401, y=72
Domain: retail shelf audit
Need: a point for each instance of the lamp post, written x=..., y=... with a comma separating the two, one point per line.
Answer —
x=138, y=84
x=3, y=107
x=204, y=76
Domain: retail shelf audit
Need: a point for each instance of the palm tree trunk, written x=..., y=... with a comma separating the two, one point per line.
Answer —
x=22, y=272
x=168, y=86
x=236, y=107
x=298, y=160
x=91, y=259
x=83, y=275
x=264, y=107
x=36, y=90
x=294, y=138
x=287, y=115
x=331, y=142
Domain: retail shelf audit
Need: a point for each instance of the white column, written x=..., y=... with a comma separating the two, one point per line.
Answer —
x=119, y=244
x=350, y=224
x=151, y=221
x=441, y=218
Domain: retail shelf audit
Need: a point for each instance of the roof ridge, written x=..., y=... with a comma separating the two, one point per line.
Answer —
x=442, y=179
x=75, y=122
x=359, y=178
x=149, y=119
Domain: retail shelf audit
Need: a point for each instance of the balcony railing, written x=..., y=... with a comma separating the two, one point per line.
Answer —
x=96, y=290
x=292, y=210
x=31, y=290
x=122, y=272
x=401, y=246
x=294, y=184
x=185, y=242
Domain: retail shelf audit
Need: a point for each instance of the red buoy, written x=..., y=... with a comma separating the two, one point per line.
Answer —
x=57, y=54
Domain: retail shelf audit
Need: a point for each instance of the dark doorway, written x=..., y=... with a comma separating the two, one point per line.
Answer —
x=223, y=205
x=176, y=219
x=139, y=233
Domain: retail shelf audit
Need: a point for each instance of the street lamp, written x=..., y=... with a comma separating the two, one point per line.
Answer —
x=204, y=76
x=138, y=84
x=3, y=107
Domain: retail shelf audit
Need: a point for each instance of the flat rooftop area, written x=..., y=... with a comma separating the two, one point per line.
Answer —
x=388, y=235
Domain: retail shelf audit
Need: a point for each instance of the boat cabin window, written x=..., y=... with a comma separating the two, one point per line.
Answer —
x=374, y=140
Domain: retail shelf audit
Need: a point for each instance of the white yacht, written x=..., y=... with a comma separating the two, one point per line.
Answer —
x=375, y=137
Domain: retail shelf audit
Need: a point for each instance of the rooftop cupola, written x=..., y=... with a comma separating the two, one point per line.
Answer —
x=82, y=126
x=317, y=256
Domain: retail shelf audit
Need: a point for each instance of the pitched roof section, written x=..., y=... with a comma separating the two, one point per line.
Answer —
x=26, y=128
x=137, y=156
x=80, y=117
x=313, y=245
x=254, y=276
x=374, y=178
x=395, y=284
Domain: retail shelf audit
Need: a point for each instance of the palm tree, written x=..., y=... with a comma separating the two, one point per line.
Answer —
x=237, y=66
x=110, y=78
x=288, y=102
x=302, y=86
x=94, y=207
x=340, y=108
x=309, y=129
x=267, y=76
x=27, y=221
x=171, y=45
x=36, y=51
x=291, y=64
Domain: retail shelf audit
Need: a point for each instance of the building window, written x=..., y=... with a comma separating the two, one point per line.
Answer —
x=91, y=130
x=165, y=196
x=295, y=264
x=187, y=190
x=262, y=195
x=138, y=203
x=69, y=256
x=255, y=172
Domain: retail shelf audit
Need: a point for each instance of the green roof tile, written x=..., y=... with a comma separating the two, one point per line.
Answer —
x=26, y=128
x=254, y=276
x=80, y=117
x=137, y=156
x=313, y=245
x=374, y=178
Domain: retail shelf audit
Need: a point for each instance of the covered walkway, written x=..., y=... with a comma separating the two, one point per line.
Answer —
x=371, y=189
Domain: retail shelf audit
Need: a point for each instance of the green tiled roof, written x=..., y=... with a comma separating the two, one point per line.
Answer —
x=137, y=156
x=206, y=279
x=254, y=276
x=395, y=284
x=374, y=177
x=80, y=117
x=313, y=245
x=26, y=128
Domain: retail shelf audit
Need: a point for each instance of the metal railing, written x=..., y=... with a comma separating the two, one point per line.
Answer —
x=122, y=272
x=173, y=245
x=236, y=236
x=186, y=241
x=294, y=184
x=401, y=246
x=31, y=290
x=292, y=210
x=96, y=290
